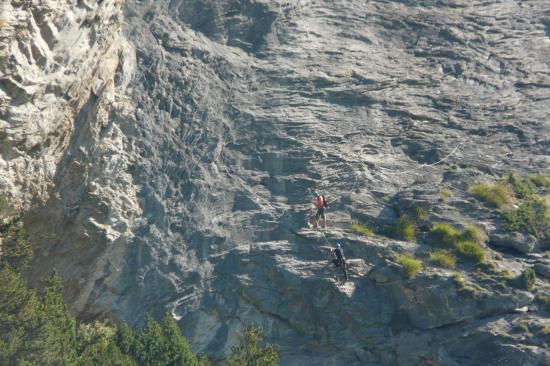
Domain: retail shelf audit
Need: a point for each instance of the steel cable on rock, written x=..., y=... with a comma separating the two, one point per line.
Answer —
x=391, y=171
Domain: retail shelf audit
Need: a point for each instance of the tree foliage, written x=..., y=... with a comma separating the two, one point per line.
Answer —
x=15, y=250
x=39, y=329
x=251, y=352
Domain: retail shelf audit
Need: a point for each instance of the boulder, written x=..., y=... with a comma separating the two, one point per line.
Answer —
x=516, y=241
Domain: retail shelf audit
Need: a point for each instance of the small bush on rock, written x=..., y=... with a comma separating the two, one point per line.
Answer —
x=411, y=266
x=532, y=216
x=522, y=187
x=474, y=233
x=471, y=250
x=445, y=234
x=497, y=195
x=443, y=258
x=402, y=229
x=362, y=229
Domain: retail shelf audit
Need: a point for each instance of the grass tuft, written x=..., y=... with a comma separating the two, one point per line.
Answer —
x=471, y=250
x=474, y=233
x=541, y=181
x=467, y=288
x=445, y=194
x=443, y=258
x=402, y=229
x=445, y=234
x=420, y=214
x=522, y=187
x=411, y=266
x=497, y=195
x=362, y=229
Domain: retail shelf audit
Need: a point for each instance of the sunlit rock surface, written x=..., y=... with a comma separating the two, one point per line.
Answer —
x=165, y=151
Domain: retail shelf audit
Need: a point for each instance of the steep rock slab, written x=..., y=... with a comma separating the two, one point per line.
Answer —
x=191, y=198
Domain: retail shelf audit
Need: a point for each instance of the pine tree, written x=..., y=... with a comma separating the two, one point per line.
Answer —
x=97, y=345
x=15, y=251
x=250, y=352
x=20, y=313
x=59, y=327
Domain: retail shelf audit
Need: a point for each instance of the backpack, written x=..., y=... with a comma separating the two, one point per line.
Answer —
x=325, y=204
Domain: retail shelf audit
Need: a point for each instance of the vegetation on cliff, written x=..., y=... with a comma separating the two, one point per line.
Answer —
x=37, y=329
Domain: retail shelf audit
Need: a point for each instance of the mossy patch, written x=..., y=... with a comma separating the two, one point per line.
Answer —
x=411, y=266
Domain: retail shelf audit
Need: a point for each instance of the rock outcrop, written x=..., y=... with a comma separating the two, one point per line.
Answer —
x=163, y=153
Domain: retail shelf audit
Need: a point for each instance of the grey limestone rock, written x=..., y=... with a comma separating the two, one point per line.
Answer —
x=517, y=241
x=164, y=152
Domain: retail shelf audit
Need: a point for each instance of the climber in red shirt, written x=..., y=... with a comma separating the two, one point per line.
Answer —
x=321, y=205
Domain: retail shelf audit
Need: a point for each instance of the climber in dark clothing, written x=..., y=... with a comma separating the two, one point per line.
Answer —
x=340, y=260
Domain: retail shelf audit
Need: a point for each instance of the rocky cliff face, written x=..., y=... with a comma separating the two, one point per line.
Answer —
x=163, y=152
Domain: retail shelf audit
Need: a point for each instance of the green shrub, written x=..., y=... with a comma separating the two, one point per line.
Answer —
x=542, y=181
x=250, y=351
x=97, y=345
x=443, y=258
x=471, y=250
x=411, y=266
x=525, y=281
x=532, y=216
x=445, y=234
x=522, y=187
x=362, y=229
x=34, y=330
x=473, y=233
x=402, y=229
x=495, y=194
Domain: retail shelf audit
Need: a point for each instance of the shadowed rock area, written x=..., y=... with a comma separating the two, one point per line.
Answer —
x=164, y=152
